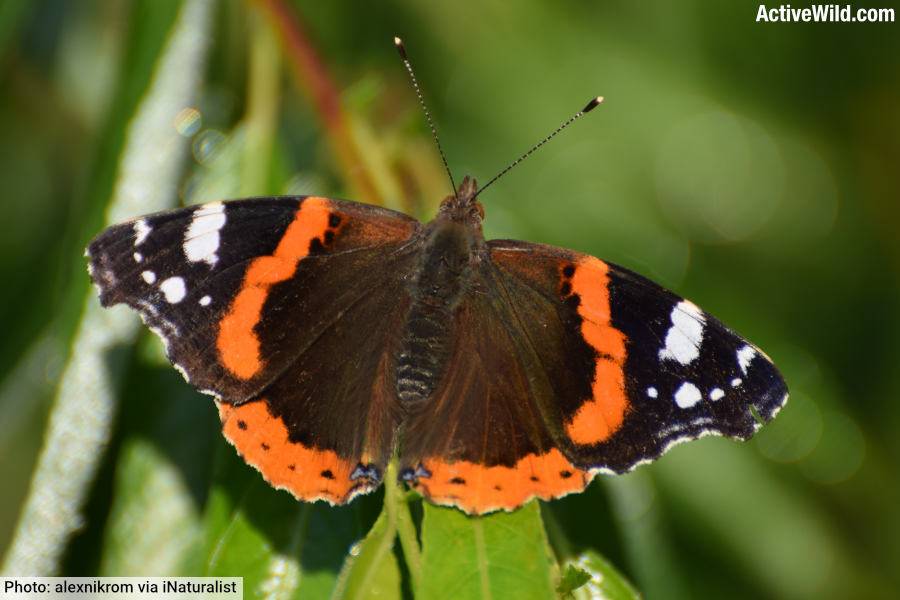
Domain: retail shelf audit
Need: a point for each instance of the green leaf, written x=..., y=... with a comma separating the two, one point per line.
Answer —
x=503, y=555
x=153, y=524
x=596, y=579
x=572, y=579
x=162, y=471
x=281, y=547
x=371, y=570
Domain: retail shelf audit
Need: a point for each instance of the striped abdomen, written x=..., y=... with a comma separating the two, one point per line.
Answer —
x=423, y=353
x=427, y=335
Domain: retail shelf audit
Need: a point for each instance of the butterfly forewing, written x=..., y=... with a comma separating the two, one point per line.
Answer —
x=181, y=270
x=277, y=307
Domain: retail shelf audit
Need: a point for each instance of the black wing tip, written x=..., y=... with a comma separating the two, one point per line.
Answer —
x=768, y=405
x=757, y=411
x=762, y=410
x=102, y=276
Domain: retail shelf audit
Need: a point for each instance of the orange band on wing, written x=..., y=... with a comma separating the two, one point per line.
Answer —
x=600, y=417
x=309, y=474
x=477, y=489
x=238, y=343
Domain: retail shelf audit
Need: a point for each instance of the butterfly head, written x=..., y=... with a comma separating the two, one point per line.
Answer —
x=463, y=207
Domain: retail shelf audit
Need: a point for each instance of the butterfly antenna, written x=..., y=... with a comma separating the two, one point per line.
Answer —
x=412, y=76
x=590, y=106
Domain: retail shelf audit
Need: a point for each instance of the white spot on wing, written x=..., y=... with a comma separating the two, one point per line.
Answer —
x=141, y=231
x=745, y=356
x=652, y=392
x=685, y=335
x=205, y=300
x=149, y=276
x=174, y=289
x=736, y=382
x=687, y=395
x=138, y=257
x=201, y=240
x=717, y=394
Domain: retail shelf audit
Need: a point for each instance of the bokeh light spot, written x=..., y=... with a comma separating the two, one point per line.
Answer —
x=719, y=176
x=840, y=453
x=795, y=433
x=188, y=121
x=207, y=145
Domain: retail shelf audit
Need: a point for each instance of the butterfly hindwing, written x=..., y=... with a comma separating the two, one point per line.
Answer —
x=321, y=271
x=664, y=371
x=485, y=439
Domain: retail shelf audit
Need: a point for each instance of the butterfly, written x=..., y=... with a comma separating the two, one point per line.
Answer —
x=335, y=335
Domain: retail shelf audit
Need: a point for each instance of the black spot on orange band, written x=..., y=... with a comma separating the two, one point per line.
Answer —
x=478, y=489
x=309, y=474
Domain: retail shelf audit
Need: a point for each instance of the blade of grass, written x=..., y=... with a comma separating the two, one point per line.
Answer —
x=636, y=509
x=82, y=415
x=263, y=99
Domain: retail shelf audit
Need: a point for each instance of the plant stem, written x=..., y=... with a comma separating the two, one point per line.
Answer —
x=406, y=529
x=263, y=98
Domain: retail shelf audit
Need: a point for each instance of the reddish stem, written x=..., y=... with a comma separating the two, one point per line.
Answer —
x=314, y=79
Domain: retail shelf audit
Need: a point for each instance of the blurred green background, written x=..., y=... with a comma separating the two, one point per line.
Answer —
x=752, y=167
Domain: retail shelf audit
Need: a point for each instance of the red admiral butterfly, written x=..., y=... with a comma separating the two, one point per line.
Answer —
x=334, y=334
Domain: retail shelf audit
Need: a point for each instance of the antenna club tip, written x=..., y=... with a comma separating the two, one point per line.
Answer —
x=399, y=44
x=593, y=104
